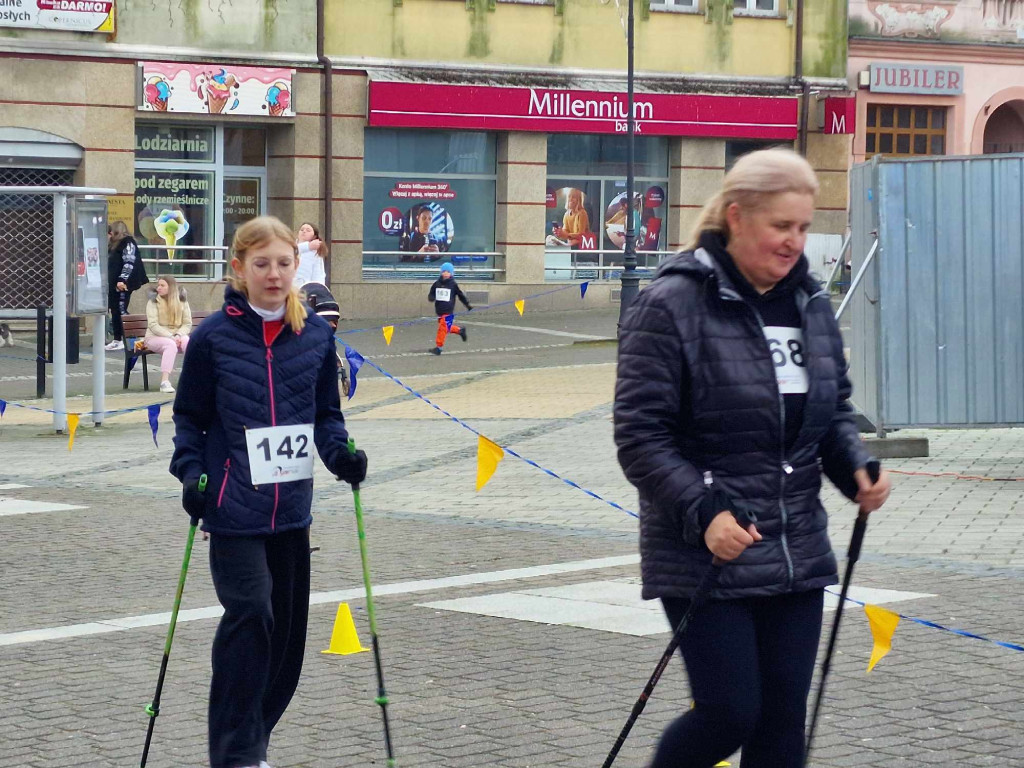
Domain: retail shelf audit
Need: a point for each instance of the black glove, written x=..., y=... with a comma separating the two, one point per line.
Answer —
x=353, y=470
x=192, y=498
x=469, y=307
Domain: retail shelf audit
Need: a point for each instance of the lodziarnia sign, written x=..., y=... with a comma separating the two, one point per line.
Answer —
x=550, y=110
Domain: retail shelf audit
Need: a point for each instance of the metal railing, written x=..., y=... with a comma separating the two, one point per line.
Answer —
x=184, y=269
x=605, y=264
x=466, y=262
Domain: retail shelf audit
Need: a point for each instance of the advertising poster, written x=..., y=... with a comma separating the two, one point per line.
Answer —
x=213, y=89
x=647, y=223
x=174, y=208
x=570, y=213
x=69, y=15
x=93, y=268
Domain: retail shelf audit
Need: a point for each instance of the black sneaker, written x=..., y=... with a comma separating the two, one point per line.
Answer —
x=435, y=351
x=462, y=332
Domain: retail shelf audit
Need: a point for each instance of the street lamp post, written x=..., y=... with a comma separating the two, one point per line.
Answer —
x=630, y=281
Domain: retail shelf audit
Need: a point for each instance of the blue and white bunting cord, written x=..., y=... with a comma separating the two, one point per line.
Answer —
x=476, y=310
x=36, y=359
x=934, y=625
x=356, y=362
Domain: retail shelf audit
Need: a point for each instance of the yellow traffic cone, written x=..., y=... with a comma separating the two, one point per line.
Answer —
x=344, y=639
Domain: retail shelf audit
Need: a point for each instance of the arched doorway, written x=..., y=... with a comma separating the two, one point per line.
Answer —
x=30, y=158
x=1004, y=131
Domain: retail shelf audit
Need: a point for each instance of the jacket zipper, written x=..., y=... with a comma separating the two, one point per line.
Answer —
x=783, y=463
x=273, y=423
x=224, y=482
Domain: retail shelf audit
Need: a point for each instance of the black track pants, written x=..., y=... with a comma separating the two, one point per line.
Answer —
x=749, y=663
x=263, y=584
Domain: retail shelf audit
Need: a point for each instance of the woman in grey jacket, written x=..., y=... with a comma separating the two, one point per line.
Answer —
x=732, y=398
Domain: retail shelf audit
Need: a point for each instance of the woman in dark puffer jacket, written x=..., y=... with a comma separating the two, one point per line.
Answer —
x=732, y=398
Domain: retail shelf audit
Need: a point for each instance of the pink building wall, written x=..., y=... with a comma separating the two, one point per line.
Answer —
x=992, y=77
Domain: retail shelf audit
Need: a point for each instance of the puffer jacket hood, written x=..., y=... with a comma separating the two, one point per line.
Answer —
x=233, y=380
x=698, y=411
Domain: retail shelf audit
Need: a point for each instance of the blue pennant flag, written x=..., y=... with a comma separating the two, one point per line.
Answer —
x=355, y=362
x=131, y=362
x=3, y=407
x=154, y=420
x=448, y=320
x=583, y=289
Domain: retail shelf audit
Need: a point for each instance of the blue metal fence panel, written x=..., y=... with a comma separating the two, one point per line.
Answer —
x=947, y=310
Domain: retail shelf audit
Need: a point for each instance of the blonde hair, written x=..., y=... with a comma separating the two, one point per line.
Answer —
x=259, y=232
x=750, y=183
x=169, y=307
x=119, y=231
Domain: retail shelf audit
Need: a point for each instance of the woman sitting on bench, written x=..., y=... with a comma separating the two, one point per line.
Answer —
x=169, y=324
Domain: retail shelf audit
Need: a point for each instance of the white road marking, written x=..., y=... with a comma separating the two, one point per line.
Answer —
x=317, y=598
x=549, y=331
x=11, y=486
x=609, y=606
x=22, y=507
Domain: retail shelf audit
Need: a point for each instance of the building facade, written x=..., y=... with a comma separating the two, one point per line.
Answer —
x=490, y=133
x=937, y=78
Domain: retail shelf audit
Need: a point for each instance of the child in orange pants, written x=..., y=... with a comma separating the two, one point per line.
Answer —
x=443, y=293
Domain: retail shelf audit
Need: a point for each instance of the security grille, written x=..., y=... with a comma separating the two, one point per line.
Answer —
x=26, y=238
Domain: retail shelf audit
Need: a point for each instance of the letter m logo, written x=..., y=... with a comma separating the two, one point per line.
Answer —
x=840, y=115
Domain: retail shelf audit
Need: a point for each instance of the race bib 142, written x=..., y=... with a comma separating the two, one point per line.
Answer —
x=280, y=454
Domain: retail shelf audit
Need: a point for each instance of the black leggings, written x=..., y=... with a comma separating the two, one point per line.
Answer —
x=117, y=301
x=263, y=584
x=750, y=663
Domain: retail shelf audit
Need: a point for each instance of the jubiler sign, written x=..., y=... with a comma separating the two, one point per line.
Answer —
x=942, y=80
x=548, y=110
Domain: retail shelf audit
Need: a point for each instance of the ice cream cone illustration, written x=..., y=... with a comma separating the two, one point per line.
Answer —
x=171, y=226
x=218, y=91
x=156, y=93
x=278, y=98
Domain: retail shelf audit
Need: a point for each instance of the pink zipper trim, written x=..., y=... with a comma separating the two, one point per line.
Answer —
x=273, y=423
x=224, y=482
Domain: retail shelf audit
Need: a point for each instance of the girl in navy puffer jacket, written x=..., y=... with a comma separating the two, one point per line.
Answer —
x=259, y=387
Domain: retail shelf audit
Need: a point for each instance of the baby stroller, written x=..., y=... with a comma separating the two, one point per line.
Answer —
x=320, y=299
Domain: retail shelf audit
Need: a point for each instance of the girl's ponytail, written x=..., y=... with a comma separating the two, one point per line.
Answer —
x=295, y=310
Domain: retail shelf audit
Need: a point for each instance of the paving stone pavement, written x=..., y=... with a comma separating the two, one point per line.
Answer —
x=467, y=689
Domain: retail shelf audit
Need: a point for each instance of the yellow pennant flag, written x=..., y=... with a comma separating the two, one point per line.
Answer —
x=389, y=331
x=488, y=455
x=883, y=625
x=521, y=305
x=72, y=426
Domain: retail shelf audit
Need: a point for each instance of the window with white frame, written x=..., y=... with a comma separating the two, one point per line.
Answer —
x=674, y=5
x=756, y=7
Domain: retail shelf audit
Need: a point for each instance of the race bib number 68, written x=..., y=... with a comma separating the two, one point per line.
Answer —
x=280, y=454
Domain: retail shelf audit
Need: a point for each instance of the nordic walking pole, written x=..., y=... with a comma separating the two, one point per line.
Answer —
x=700, y=596
x=382, y=694
x=153, y=710
x=852, y=555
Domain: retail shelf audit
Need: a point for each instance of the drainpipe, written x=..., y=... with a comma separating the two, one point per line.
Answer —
x=798, y=78
x=327, y=100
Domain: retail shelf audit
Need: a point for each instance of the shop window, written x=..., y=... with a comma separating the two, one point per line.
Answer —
x=893, y=129
x=194, y=186
x=674, y=5
x=587, y=203
x=734, y=150
x=756, y=7
x=429, y=196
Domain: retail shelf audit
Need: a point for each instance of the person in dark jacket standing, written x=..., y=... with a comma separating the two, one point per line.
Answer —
x=125, y=274
x=259, y=387
x=443, y=293
x=732, y=398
